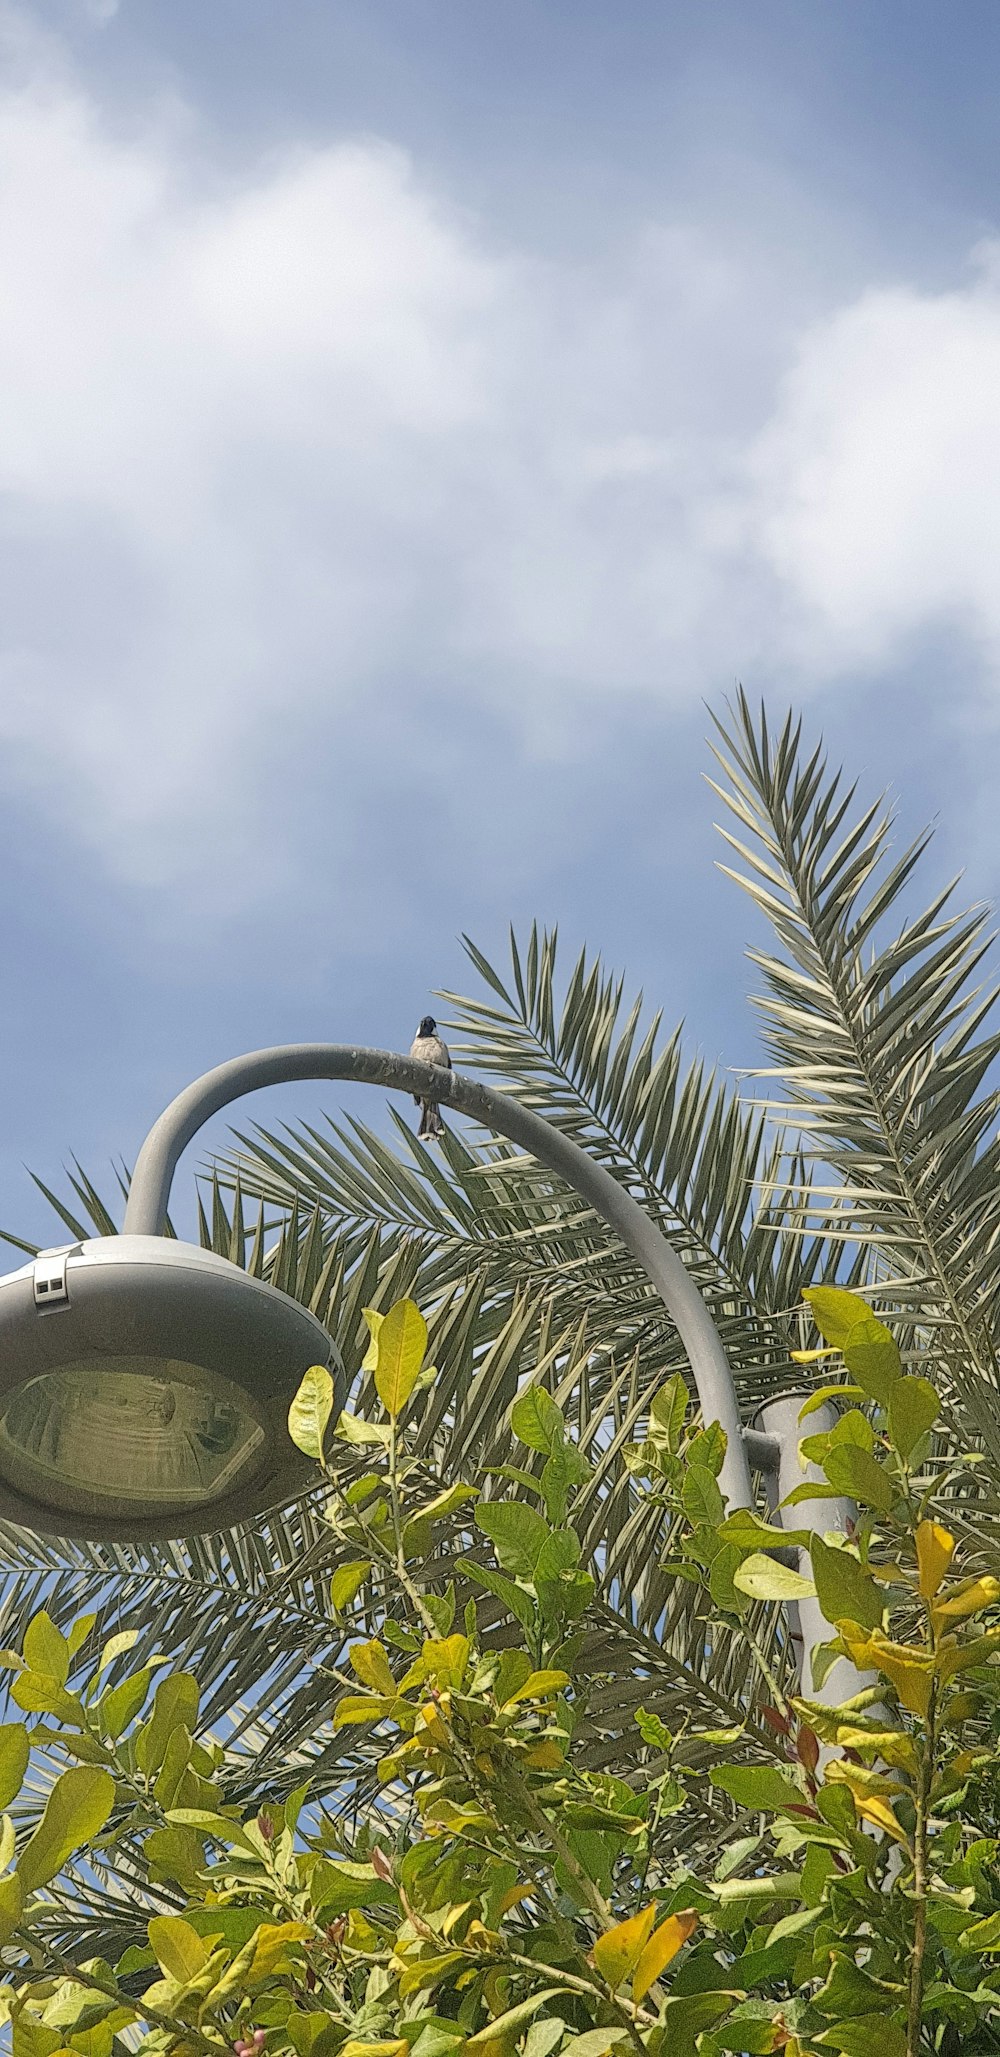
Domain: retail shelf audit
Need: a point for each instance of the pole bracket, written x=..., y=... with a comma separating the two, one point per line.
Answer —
x=763, y=1451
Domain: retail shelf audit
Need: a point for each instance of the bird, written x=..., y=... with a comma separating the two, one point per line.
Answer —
x=427, y=1048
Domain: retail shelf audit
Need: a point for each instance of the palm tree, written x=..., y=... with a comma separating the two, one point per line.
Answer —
x=873, y=1160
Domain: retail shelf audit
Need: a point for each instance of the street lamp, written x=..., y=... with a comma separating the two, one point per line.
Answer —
x=145, y=1383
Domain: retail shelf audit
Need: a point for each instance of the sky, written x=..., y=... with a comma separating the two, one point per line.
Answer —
x=413, y=413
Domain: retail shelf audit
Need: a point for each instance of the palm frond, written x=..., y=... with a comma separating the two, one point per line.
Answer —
x=876, y=1018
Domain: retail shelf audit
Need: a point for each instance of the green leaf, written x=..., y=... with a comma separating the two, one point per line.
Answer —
x=835, y=1312
x=537, y=1421
x=401, y=1345
x=722, y=1582
x=667, y=1412
x=687, y=2016
x=14, y=1751
x=701, y=1498
x=539, y=1685
x=441, y=1608
x=46, y=1649
x=11, y=1903
x=210, y=1823
x=868, y=2035
x=849, y=1992
x=517, y=1533
x=594, y=2042
x=652, y=1730
x=913, y=1409
x=758, y=1787
x=751, y=1533
x=310, y=1411
x=871, y=1355
x=840, y=1391
x=347, y=1582
x=540, y=2040
x=845, y=1590
x=764, y=1579
x=175, y=1706
x=708, y=1448
x=76, y=1810
x=860, y=1476
x=120, y=1706
x=519, y=1602
x=417, y=1530
x=567, y=1467
x=37, y=1693
x=507, y=2027
x=177, y=1947
x=337, y=1887
x=79, y=1632
x=982, y=1935
x=560, y=1552
x=851, y=1427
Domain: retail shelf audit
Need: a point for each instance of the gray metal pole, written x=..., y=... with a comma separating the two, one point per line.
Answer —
x=780, y=1419
x=145, y=1214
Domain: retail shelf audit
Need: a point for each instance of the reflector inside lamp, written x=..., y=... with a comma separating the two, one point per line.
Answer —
x=143, y=1432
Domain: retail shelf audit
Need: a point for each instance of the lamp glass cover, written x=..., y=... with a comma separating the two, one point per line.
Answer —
x=130, y=1433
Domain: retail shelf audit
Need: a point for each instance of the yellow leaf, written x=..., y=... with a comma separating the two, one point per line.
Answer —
x=864, y=1784
x=272, y=1943
x=515, y=1896
x=891, y=1745
x=445, y=1659
x=969, y=1598
x=371, y=1665
x=953, y=1656
x=663, y=1945
x=880, y=1814
x=374, y=1320
x=811, y=1356
x=360, y=1707
x=396, y=2048
x=835, y=1312
x=906, y=1669
x=547, y=1755
x=347, y=1582
x=310, y=1411
x=618, y=1952
x=426, y=1971
x=538, y=1687
x=935, y=1549
x=401, y=1343
x=177, y=1947
x=429, y=1719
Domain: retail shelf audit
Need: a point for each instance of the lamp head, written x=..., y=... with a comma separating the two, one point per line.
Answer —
x=144, y=1390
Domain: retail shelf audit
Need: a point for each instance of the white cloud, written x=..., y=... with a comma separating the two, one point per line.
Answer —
x=276, y=439
x=877, y=481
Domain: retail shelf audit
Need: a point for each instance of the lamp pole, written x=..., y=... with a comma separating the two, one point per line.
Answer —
x=774, y=1448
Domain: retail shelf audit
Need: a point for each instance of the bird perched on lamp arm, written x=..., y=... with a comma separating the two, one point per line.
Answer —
x=427, y=1048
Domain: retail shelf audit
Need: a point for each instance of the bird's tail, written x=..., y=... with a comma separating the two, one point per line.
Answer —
x=431, y=1123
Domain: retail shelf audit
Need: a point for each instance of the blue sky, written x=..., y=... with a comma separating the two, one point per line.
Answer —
x=413, y=413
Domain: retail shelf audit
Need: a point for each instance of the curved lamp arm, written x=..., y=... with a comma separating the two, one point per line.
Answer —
x=145, y=1214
